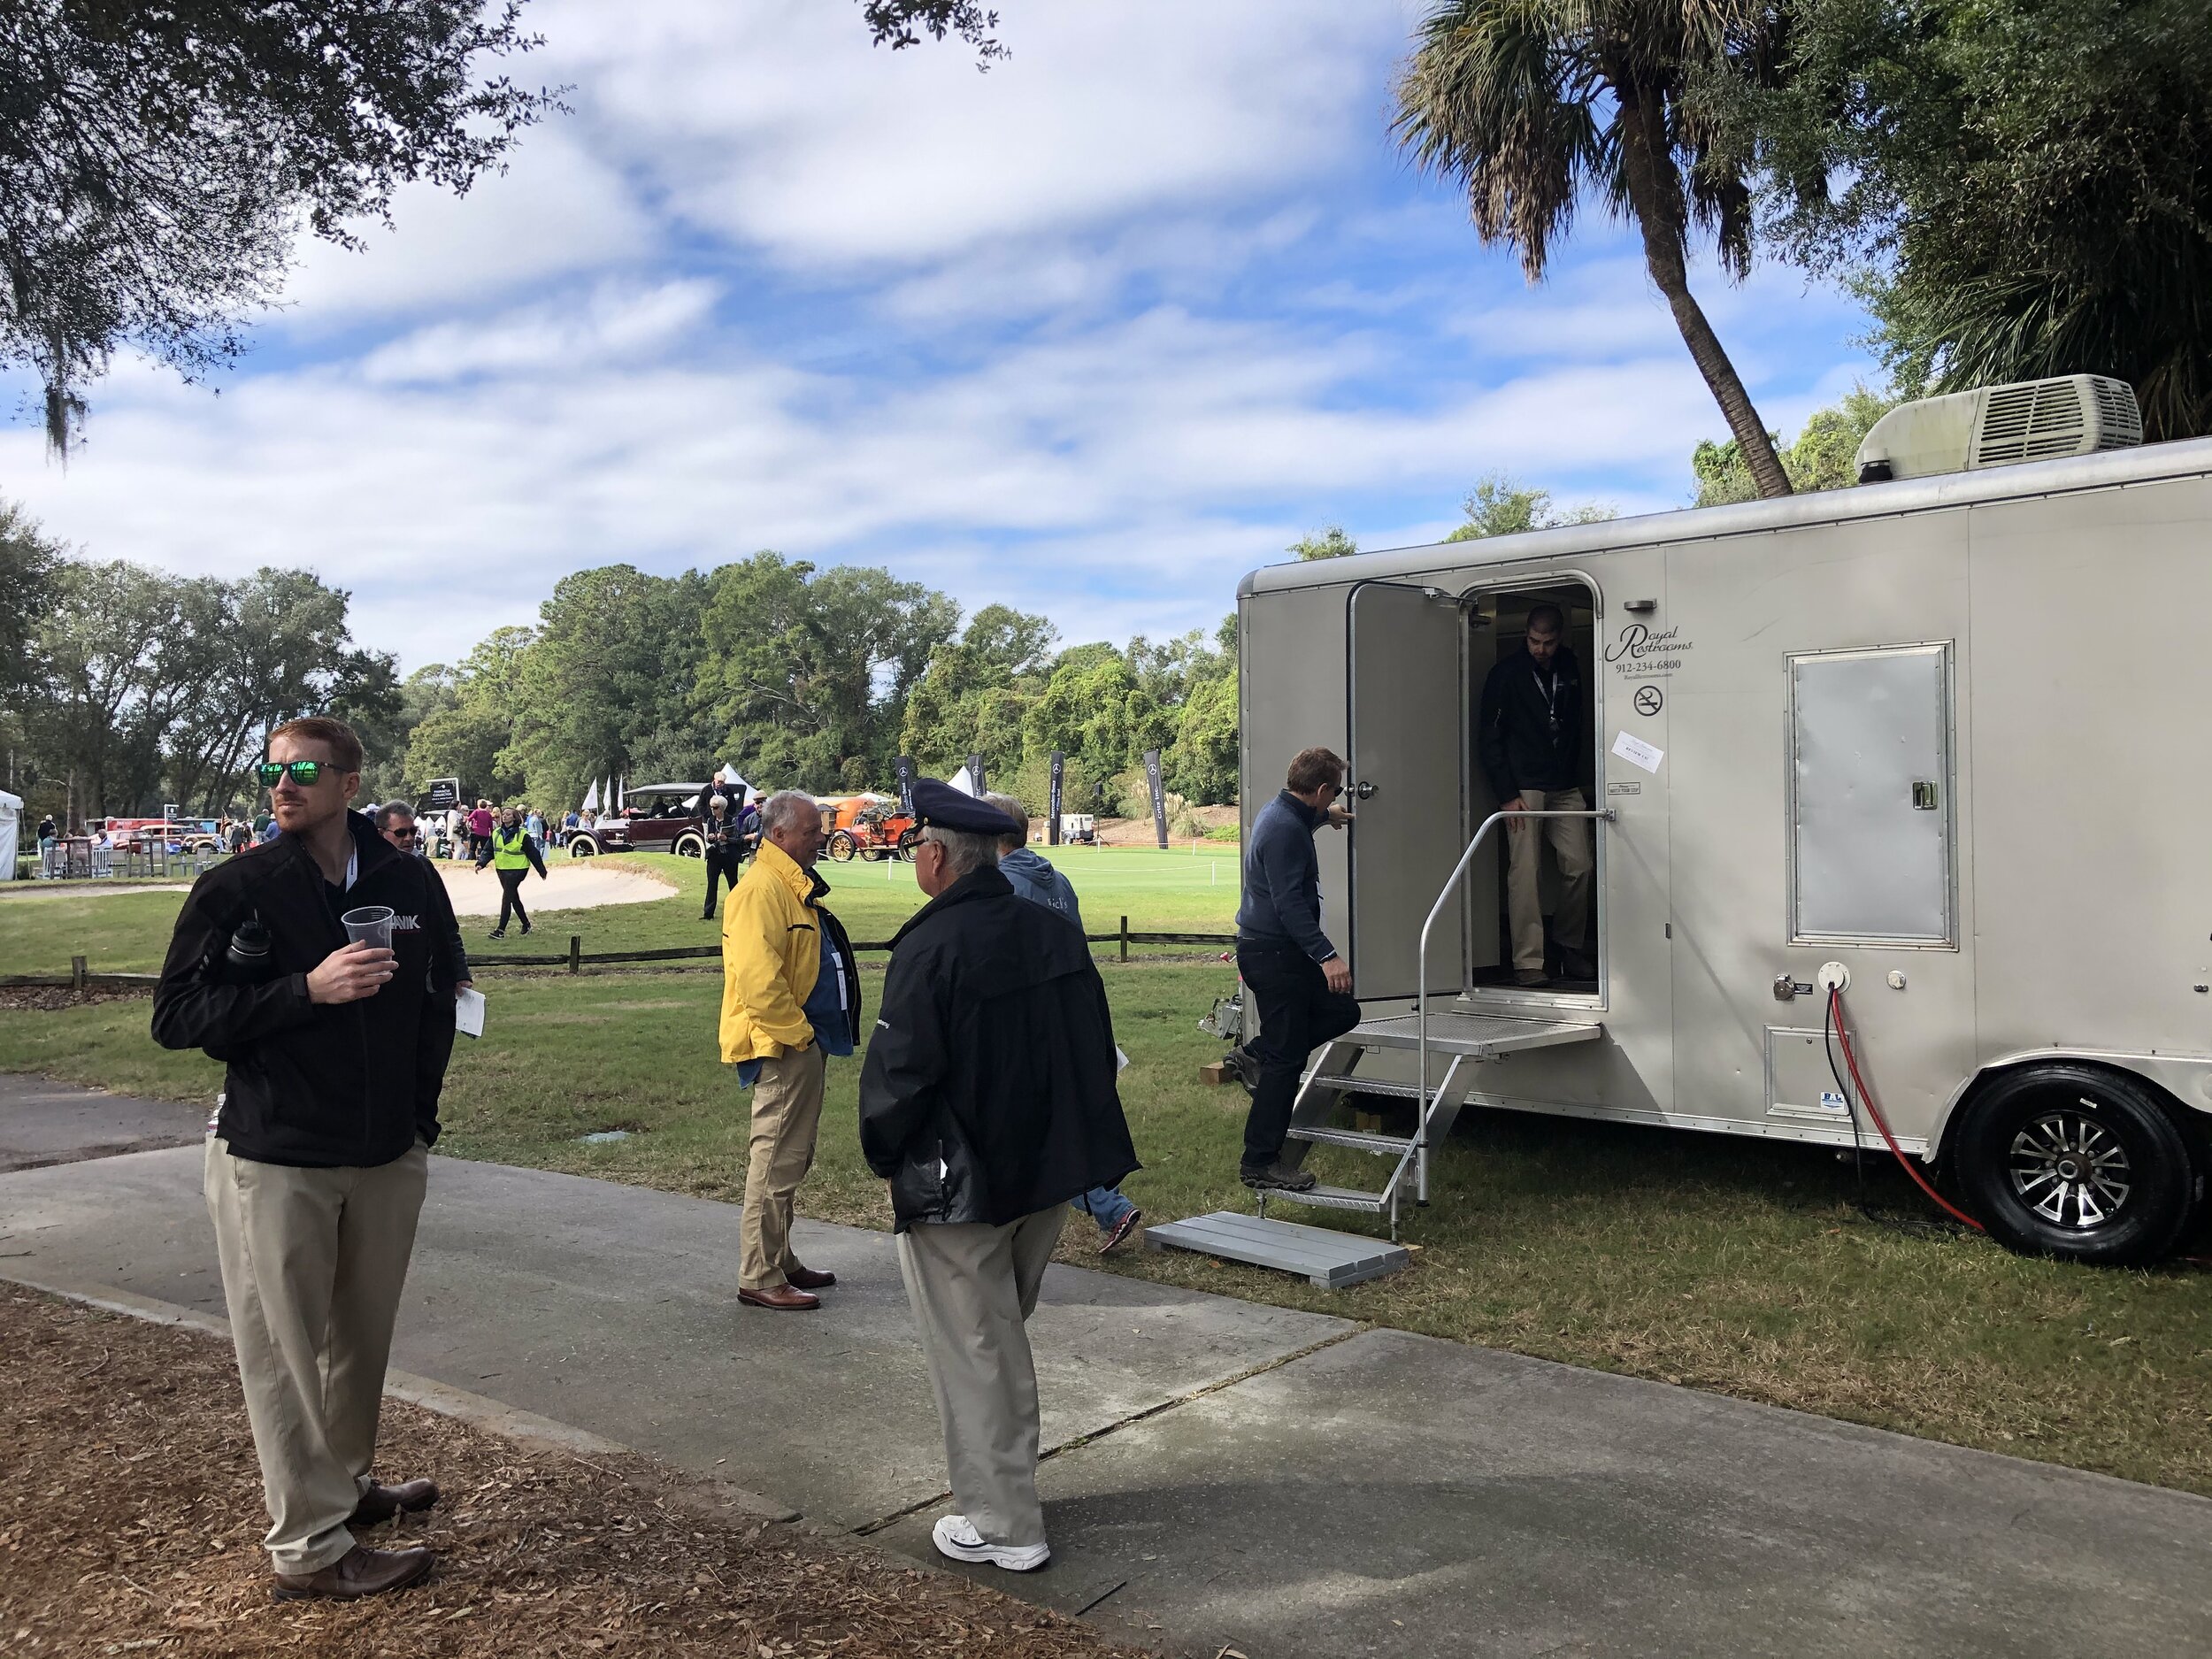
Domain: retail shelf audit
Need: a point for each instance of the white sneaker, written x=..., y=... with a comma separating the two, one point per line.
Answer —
x=956, y=1538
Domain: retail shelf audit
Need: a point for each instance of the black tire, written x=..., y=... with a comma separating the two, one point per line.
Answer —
x=582, y=846
x=842, y=846
x=690, y=847
x=2072, y=1161
x=908, y=838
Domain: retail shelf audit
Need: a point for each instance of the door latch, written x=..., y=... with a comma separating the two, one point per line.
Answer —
x=1363, y=790
x=1924, y=797
x=1785, y=988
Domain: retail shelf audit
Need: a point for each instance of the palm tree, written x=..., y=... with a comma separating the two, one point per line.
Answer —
x=1530, y=102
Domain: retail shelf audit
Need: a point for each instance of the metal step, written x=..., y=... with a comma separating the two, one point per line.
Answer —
x=1474, y=1034
x=1390, y=1146
x=1331, y=1260
x=1355, y=1084
x=1332, y=1198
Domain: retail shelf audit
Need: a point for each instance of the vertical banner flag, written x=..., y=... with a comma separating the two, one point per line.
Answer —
x=1159, y=795
x=1052, y=816
x=975, y=775
x=905, y=764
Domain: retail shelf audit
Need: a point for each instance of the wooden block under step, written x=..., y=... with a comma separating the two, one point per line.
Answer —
x=1216, y=1072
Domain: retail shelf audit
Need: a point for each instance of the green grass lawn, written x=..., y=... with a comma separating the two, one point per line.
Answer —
x=1171, y=892
x=1738, y=1266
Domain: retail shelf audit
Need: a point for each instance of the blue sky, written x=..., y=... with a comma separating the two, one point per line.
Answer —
x=1091, y=334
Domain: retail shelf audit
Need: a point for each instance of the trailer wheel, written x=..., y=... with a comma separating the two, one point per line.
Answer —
x=2072, y=1161
x=582, y=846
x=842, y=846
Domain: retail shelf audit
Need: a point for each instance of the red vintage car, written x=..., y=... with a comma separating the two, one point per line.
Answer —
x=655, y=817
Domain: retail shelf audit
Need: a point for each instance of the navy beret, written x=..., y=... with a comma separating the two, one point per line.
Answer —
x=941, y=806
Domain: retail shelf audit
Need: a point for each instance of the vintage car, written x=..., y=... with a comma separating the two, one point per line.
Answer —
x=867, y=827
x=655, y=817
x=177, y=835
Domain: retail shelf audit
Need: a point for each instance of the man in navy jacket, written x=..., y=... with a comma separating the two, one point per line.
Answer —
x=1300, y=988
x=336, y=1053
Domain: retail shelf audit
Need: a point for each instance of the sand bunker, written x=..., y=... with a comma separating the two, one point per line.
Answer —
x=576, y=884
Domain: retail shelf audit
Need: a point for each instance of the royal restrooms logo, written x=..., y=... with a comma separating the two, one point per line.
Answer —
x=1639, y=653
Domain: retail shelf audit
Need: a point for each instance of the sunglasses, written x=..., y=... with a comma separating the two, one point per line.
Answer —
x=303, y=772
x=406, y=834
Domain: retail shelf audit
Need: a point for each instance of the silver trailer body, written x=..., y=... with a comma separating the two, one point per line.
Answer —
x=1940, y=731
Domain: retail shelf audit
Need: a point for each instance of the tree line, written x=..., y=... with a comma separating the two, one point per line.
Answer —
x=817, y=679
x=123, y=688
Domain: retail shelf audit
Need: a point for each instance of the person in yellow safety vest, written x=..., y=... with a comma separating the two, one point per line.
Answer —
x=514, y=855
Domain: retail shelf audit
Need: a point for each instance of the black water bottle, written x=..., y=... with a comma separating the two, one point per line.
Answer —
x=247, y=961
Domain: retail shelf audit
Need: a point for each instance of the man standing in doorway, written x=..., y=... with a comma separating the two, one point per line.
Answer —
x=790, y=998
x=1529, y=736
x=314, y=1176
x=1301, y=989
x=1037, y=879
x=987, y=1102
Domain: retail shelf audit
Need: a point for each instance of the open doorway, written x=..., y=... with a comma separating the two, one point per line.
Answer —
x=1532, y=721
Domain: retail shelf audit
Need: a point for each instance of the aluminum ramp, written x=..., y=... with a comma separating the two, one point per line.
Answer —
x=1333, y=1260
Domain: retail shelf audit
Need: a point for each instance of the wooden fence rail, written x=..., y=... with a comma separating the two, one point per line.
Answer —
x=576, y=959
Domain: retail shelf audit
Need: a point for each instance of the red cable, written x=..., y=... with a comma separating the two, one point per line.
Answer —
x=1850, y=1060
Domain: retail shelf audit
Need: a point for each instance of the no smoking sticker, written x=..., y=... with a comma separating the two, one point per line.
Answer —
x=1649, y=700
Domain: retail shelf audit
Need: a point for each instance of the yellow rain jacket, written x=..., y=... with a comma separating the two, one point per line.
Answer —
x=771, y=955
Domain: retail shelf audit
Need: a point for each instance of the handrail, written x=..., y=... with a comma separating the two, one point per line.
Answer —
x=1603, y=815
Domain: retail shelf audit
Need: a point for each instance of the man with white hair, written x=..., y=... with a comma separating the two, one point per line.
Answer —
x=987, y=1102
x=790, y=998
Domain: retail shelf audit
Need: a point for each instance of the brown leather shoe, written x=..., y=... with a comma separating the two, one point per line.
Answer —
x=360, y=1571
x=378, y=1504
x=807, y=1278
x=782, y=1296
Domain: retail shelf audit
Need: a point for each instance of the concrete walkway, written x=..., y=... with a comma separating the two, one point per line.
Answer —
x=1223, y=1474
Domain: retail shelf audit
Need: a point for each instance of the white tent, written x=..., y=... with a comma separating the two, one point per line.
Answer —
x=11, y=816
x=963, y=780
x=591, y=797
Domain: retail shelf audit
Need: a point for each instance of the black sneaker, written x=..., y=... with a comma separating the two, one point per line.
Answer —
x=1277, y=1176
x=1243, y=1067
x=525, y=929
x=496, y=933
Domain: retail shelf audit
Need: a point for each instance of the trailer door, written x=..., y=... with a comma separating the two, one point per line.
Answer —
x=1407, y=712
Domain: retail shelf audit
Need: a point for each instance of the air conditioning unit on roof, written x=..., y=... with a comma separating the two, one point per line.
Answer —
x=1999, y=426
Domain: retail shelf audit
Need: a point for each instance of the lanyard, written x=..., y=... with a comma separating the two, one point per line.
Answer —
x=1551, y=697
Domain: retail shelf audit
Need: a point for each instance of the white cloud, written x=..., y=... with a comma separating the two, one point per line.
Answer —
x=1092, y=335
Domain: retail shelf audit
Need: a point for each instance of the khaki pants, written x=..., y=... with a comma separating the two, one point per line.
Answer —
x=787, y=1114
x=972, y=1287
x=313, y=1261
x=1569, y=839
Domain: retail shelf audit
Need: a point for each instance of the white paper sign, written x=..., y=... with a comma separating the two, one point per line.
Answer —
x=468, y=1013
x=1636, y=752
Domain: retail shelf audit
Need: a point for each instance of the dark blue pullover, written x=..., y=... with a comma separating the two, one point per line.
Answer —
x=1282, y=881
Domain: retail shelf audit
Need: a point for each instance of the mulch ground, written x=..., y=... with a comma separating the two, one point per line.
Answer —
x=47, y=999
x=134, y=1518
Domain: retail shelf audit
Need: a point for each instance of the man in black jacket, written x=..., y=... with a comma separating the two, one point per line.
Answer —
x=314, y=1176
x=987, y=1102
x=1529, y=734
x=1300, y=986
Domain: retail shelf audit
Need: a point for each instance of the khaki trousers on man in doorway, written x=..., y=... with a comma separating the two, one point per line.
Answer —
x=1569, y=839
x=787, y=1116
x=973, y=1287
x=313, y=1261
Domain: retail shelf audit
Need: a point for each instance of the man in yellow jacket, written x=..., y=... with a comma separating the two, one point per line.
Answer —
x=790, y=999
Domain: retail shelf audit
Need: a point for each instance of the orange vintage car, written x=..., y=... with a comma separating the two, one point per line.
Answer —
x=867, y=827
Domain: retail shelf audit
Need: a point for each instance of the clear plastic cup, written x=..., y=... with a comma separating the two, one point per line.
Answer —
x=371, y=924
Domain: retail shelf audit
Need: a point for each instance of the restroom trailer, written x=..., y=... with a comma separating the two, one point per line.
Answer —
x=1939, y=742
